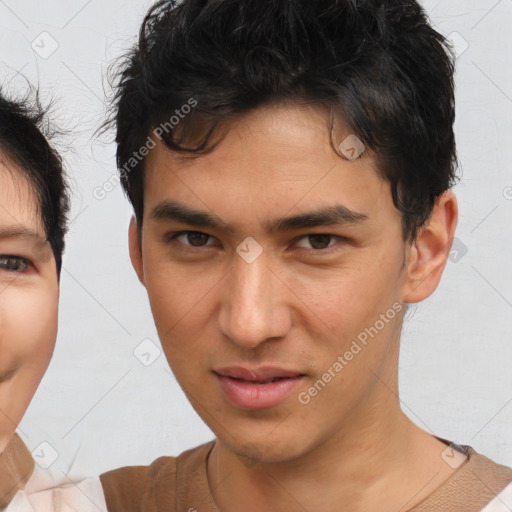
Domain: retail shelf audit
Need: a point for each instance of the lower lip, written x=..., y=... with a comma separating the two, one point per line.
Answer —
x=247, y=395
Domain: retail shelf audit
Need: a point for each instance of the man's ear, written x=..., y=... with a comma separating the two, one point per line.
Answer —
x=136, y=249
x=429, y=253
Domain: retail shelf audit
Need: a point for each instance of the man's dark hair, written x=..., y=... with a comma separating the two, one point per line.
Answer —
x=376, y=63
x=22, y=141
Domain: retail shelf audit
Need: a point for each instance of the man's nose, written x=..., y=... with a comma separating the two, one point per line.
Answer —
x=254, y=304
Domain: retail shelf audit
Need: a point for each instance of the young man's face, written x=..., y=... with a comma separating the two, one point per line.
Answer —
x=29, y=293
x=296, y=309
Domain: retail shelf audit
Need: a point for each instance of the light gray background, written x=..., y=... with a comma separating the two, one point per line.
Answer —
x=100, y=407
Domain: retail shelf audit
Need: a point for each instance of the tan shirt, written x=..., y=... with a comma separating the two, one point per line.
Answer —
x=180, y=484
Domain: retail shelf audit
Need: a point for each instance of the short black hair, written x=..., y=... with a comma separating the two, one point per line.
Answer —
x=379, y=64
x=22, y=123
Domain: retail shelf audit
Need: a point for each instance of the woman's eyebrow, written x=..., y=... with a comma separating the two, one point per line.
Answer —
x=20, y=232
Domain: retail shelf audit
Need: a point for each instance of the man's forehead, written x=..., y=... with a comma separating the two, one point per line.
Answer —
x=284, y=189
x=283, y=127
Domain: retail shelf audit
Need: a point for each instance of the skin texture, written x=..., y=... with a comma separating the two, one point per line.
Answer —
x=298, y=307
x=29, y=293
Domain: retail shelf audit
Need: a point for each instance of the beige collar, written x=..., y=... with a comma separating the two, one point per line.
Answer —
x=16, y=466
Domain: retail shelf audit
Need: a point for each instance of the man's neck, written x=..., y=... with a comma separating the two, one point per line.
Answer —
x=390, y=466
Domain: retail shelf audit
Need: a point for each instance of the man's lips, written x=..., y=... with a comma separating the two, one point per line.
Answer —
x=257, y=388
x=261, y=374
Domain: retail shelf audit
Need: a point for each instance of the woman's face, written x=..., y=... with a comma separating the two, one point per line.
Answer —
x=29, y=293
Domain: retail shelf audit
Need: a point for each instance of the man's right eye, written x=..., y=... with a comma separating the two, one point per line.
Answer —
x=190, y=238
x=14, y=263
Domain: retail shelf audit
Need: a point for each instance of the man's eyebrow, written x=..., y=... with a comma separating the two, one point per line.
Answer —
x=331, y=215
x=20, y=232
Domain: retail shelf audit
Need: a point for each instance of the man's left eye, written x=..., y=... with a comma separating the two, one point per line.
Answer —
x=318, y=242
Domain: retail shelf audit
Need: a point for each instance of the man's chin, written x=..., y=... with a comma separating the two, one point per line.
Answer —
x=265, y=451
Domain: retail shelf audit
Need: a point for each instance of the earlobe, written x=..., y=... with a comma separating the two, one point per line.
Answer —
x=429, y=253
x=135, y=248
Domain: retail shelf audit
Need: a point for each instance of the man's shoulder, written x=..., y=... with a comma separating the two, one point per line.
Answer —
x=171, y=482
x=475, y=484
x=130, y=488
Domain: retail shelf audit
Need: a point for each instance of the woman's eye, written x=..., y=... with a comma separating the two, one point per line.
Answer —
x=14, y=263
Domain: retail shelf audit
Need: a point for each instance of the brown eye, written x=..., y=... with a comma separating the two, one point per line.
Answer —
x=318, y=242
x=13, y=263
x=191, y=238
x=197, y=239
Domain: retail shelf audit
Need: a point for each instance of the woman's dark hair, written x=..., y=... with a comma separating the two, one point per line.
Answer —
x=376, y=63
x=22, y=141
